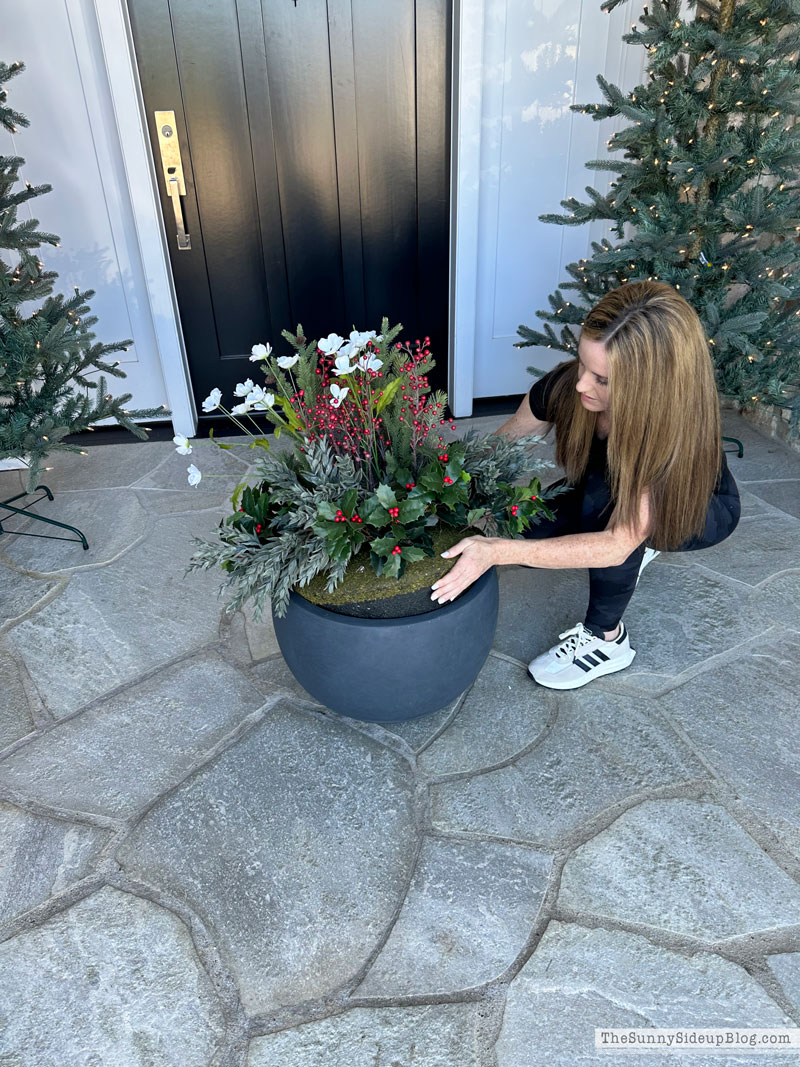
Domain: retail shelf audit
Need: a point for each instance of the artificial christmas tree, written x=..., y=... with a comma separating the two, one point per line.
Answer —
x=48, y=355
x=707, y=194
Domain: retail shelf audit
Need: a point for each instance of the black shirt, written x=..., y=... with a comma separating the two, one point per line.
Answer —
x=725, y=490
x=539, y=400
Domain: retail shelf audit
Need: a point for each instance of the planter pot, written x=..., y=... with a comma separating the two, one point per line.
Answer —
x=388, y=670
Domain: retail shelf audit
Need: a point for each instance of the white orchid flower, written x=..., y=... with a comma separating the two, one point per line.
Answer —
x=285, y=362
x=243, y=388
x=338, y=395
x=369, y=362
x=260, y=352
x=330, y=344
x=212, y=400
x=342, y=365
x=194, y=474
x=266, y=401
x=183, y=448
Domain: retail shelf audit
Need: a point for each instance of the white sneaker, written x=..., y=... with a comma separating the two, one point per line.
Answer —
x=648, y=557
x=581, y=658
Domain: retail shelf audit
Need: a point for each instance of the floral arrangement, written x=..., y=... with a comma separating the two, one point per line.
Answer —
x=370, y=468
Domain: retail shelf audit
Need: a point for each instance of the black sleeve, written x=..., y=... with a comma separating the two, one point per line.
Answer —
x=541, y=391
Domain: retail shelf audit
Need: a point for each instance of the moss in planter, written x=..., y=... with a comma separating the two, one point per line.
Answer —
x=362, y=593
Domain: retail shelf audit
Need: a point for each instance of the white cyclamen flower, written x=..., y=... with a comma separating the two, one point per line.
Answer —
x=358, y=339
x=212, y=400
x=182, y=446
x=342, y=365
x=369, y=362
x=330, y=344
x=266, y=401
x=194, y=474
x=285, y=362
x=338, y=395
x=243, y=388
x=260, y=352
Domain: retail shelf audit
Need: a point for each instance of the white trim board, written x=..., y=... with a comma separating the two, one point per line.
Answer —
x=483, y=80
x=126, y=98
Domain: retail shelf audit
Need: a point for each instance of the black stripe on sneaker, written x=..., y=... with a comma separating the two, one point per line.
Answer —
x=583, y=666
x=600, y=654
x=621, y=638
x=589, y=657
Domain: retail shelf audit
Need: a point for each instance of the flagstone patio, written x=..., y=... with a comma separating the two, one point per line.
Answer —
x=202, y=867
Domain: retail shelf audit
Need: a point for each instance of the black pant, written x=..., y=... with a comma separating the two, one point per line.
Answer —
x=587, y=509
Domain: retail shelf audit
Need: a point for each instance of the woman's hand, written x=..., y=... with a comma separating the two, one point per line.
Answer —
x=477, y=556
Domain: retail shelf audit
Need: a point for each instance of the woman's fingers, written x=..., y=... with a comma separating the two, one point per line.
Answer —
x=475, y=558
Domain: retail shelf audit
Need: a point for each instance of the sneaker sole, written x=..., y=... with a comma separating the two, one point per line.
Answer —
x=577, y=683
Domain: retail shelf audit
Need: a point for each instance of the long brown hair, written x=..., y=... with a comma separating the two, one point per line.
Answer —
x=665, y=433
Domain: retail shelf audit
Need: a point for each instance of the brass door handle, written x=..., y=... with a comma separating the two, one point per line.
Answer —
x=172, y=168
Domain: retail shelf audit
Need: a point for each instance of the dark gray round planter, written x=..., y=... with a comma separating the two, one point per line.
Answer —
x=387, y=670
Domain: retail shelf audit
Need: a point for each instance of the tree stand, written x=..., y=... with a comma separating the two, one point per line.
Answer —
x=739, y=450
x=40, y=518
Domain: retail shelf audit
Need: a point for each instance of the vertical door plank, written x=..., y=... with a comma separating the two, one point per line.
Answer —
x=210, y=66
x=299, y=72
x=433, y=35
x=340, y=30
x=262, y=141
x=384, y=46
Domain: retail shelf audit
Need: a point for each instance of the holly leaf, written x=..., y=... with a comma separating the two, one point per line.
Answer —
x=348, y=502
x=382, y=546
x=386, y=496
x=412, y=554
x=412, y=508
x=392, y=566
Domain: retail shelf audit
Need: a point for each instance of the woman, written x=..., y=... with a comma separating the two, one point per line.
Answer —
x=638, y=433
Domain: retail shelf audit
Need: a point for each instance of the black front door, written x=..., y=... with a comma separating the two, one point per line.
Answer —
x=315, y=143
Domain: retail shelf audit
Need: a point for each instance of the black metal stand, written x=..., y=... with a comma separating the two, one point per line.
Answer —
x=739, y=450
x=40, y=518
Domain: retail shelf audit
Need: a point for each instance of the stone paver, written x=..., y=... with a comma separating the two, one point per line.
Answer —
x=468, y=913
x=115, y=623
x=601, y=750
x=212, y=462
x=105, y=466
x=683, y=866
x=776, y=602
x=436, y=1036
x=503, y=713
x=783, y=495
x=321, y=875
x=786, y=968
x=180, y=501
x=580, y=979
x=752, y=745
x=315, y=826
x=128, y=749
x=111, y=520
x=20, y=593
x=759, y=546
x=41, y=857
x=16, y=719
x=114, y=980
